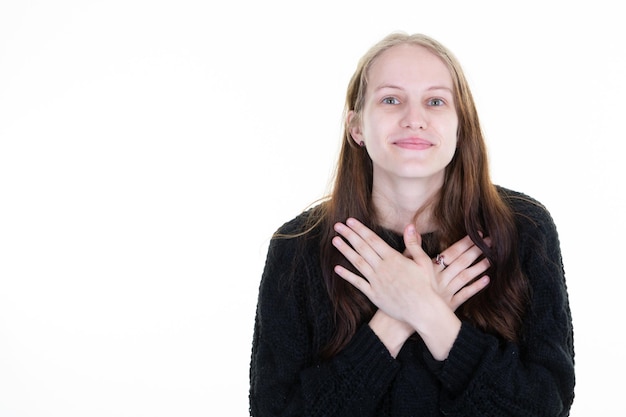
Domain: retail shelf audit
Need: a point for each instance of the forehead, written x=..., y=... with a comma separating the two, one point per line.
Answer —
x=409, y=63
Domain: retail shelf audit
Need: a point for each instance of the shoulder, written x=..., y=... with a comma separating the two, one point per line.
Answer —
x=537, y=232
x=297, y=237
x=528, y=211
x=292, y=274
x=307, y=221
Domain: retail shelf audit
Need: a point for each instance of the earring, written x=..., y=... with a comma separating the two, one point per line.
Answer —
x=362, y=144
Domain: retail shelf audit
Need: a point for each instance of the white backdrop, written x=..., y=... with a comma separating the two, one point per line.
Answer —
x=148, y=149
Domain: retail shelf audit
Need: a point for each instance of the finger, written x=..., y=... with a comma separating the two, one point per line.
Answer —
x=360, y=246
x=365, y=241
x=374, y=241
x=469, y=291
x=359, y=262
x=457, y=249
x=454, y=266
x=358, y=282
x=413, y=243
x=462, y=246
x=468, y=275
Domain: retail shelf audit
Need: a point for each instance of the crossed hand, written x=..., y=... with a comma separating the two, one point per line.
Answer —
x=395, y=282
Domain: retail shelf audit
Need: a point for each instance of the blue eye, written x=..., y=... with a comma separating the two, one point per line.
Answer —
x=391, y=100
x=436, y=102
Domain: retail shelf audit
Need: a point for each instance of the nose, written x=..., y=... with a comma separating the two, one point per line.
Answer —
x=414, y=117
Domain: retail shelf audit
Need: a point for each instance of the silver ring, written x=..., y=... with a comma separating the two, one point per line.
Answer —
x=439, y=260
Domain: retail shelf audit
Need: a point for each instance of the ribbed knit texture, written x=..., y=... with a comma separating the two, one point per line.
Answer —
x=483, y=376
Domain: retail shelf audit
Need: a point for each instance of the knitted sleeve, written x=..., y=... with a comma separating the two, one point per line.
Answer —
x=286, y=376
x=482, y=377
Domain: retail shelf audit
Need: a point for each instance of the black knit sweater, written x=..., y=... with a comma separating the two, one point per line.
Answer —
x=482, y=376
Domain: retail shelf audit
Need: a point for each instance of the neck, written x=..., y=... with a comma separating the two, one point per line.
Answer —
x=397, y=203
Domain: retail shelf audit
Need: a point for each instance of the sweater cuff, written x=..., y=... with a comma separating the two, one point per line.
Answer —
x=465, y=356
x=367, y=353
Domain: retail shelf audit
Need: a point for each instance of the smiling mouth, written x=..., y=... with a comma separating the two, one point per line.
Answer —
x=417, y=144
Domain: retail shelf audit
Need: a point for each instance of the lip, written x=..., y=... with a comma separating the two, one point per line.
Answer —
x=413, y=143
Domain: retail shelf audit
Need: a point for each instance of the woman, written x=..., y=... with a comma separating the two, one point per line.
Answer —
x=418, y=288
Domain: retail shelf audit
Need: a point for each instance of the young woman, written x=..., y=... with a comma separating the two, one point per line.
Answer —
x=418, y=288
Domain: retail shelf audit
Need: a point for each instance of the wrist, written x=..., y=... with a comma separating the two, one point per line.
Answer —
x=391, y=332
x=438, y=327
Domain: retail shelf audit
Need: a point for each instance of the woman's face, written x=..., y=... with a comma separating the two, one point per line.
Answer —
x=409, y=122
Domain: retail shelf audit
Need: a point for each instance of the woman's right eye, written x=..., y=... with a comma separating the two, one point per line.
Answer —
x=390, y=100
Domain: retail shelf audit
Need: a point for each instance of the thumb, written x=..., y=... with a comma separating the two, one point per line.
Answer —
x=413, y=242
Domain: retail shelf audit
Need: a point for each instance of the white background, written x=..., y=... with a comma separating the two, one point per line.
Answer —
x=148, y=149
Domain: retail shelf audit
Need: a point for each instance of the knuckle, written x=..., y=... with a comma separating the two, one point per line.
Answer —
x=359, y=263
x=466, y=275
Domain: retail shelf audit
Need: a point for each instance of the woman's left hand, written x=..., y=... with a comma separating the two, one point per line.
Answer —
x=457, y=270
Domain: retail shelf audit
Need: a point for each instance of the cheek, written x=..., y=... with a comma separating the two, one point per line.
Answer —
x=370, y=127
x=451, y=131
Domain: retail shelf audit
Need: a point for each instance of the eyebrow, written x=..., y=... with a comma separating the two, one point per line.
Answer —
x=395, y=87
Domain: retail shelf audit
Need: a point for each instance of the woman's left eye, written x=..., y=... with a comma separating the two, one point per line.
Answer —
x=436, y=102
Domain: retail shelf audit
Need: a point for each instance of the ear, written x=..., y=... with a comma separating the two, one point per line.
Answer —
x=354, y=127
